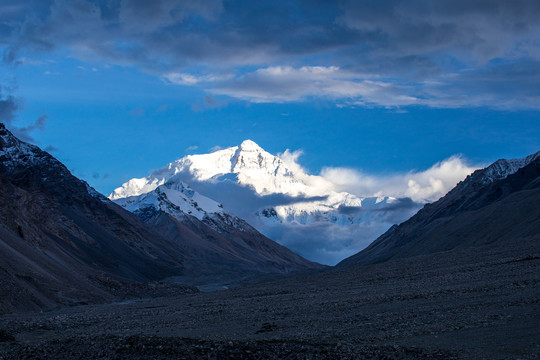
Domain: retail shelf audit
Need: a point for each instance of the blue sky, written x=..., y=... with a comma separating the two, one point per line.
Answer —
x=117, y=88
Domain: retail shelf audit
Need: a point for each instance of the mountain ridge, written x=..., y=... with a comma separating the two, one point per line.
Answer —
x=63, y=243
x=68, y=225
x=254, y=166
x=507, y=189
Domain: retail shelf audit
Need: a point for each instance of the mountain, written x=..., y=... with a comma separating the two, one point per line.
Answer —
x=61, y=242
x=219, y=249
x=273, y=194
x=492, y=206
x=251, y=166
x=247, y=163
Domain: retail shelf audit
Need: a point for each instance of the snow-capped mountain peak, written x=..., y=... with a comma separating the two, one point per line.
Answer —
x=249, y=145
x=15, y=152
x=499, y=170
x=278, y=197
x=247, y=164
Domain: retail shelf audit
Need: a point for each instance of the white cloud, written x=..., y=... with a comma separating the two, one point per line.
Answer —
x=182, y=79
x=290, y=158
x=279, y=84
x=191, y=79
x=328, y=242
x=421, y=186
x=288, y=84
x=319, y=184
x=346, y=88
x=191, y=148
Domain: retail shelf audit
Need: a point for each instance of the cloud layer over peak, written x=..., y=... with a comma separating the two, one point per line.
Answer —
x=420, y=186
x=328, y=242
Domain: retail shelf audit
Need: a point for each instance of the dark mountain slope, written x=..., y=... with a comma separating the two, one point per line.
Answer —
x=223, y=250
x=60, y=240
x=492, y=206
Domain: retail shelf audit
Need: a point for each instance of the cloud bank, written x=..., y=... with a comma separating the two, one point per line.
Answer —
x=420, y=186
x=330, y=243
x=449, y=53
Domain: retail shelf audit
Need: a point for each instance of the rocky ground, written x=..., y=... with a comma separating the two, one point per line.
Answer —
x=476, y=303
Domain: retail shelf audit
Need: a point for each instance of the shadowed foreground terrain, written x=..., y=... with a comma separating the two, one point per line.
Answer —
x=481, y=302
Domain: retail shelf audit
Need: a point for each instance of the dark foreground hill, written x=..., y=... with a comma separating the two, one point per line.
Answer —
x=497, y=205
x=466, y=302
x=223, y=250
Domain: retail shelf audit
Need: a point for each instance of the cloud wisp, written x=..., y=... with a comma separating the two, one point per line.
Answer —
x=288, y=84
x=420, y=186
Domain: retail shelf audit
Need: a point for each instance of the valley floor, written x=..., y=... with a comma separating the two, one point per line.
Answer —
x=475, y=303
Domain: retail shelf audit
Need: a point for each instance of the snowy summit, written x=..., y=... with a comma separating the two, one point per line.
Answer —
x=250, y=165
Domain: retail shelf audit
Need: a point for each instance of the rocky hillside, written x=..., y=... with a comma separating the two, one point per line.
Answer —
x=61, y=242
x=492, y=206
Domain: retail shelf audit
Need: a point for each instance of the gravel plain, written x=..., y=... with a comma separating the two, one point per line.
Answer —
x=479, y=303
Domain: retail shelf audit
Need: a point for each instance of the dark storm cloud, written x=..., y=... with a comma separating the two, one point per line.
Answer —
x=407, y=45
x=209, y=31
x=25, y=133
x=9, y=105
x=50, y=149
x=503, y=86
x=481, y=28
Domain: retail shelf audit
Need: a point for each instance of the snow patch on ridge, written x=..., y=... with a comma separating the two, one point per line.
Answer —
x=177, y=199
x=502, y=168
